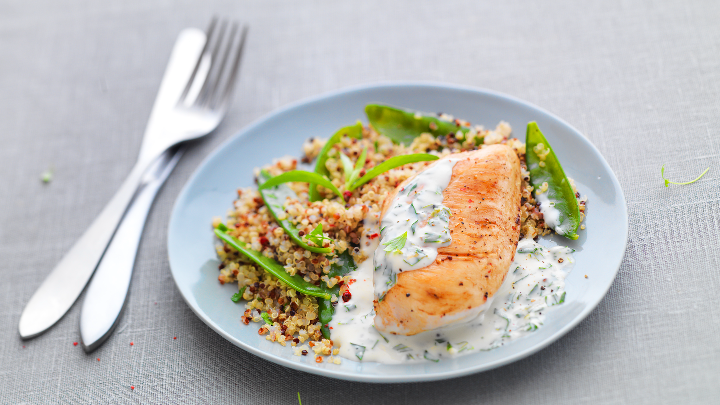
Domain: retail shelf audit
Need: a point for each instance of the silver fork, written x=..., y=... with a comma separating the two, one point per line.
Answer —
x=193, y=98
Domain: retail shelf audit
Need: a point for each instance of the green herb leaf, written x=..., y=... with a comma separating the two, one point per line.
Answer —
x=503, y=317
x=347, y=166
x=425, y=356
x=304, y=177
x=396, y=244
x=392, y=163
x=403, y=126
x=359, y=164
x=433, y=238
x=402, y=348
x=238, y=295
x=317, y=237
x=345, y=265
x=352, y=172
x=353, y=131
x=295, y=282
x=359, y=350
x=299, y=401
x=420, y=255
x=533, y=289
x=463, y=346
x=266, y=317
x=668, y=182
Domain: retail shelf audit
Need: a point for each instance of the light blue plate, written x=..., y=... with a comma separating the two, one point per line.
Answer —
x=212, y=189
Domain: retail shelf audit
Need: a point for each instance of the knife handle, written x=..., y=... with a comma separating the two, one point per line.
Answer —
x=106, y=294
x=67, y=280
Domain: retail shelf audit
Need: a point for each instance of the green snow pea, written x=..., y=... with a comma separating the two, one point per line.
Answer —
x=345, y=265
x=545, y=167
x=353, y=131
x=295, y=282
x=402, y=126
x=393, y=162
x=301, y=176
x=274, y=198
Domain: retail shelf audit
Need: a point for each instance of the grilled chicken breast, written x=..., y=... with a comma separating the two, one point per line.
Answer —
x=484, y=198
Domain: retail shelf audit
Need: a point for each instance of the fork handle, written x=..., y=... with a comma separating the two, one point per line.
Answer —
x=67, y=280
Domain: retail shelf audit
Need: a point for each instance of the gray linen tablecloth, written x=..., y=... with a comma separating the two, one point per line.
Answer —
x=640, y=79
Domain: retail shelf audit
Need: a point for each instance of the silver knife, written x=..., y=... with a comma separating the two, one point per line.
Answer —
x=107, y=292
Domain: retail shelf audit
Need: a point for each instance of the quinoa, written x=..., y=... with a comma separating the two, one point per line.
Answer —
x=294, y=316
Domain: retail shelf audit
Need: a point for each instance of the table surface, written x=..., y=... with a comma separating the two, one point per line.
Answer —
x=640, y=79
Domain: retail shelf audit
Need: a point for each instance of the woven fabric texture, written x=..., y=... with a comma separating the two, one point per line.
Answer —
x=641, y=79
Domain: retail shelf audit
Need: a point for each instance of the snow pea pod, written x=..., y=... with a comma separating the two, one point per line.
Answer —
x=393, y=162
x=301, y=176
x=353, y=131
x=402, y=126
x=551, y=186
x=326, y=309
x=274, y=198
x=295, y=282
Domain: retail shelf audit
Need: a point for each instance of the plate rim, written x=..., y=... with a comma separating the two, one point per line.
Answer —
x=382, y=378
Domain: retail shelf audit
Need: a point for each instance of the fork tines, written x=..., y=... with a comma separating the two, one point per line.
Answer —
x=215, y=72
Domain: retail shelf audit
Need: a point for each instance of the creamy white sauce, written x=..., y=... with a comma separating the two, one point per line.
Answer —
x=535, y=282
x=415, y=225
